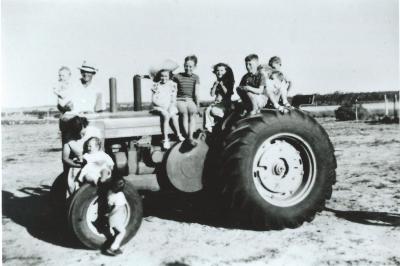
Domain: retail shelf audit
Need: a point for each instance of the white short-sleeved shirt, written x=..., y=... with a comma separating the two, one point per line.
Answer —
x=85, y=99
x=164, y=94
x=275, y=88
x=116, y=199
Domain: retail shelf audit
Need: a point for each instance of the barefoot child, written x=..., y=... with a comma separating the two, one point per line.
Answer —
x=276, y=86
x=164, y=103
x=187, y=97
x=97, y=165
x=116, y=215
x=252, y=86
x=222, y=90
x=275, y=63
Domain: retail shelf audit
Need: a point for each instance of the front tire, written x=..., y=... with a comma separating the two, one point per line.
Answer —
x=278, y=169
x=82, y=215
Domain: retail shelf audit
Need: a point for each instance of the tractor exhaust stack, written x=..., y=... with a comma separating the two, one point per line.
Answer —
x=113, y=95
x=137, y=93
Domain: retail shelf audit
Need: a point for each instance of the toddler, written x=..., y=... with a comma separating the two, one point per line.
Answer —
x=97, y=165
x=222, y=90
x=252, y=86
x=187, y=97
x=63, y=89
x=116, y=214
x=164, y=103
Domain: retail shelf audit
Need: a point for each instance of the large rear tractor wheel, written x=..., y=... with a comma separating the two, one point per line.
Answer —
x=83, y=215
x=278, y=169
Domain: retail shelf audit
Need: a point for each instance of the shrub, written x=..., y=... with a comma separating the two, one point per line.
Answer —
x=348, y=112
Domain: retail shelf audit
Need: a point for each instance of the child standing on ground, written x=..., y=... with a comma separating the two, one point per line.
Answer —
x=187, y=97
x=97, y=165
x=222, y=90
x=252, y=86
x=116, y=203
x=164, y=103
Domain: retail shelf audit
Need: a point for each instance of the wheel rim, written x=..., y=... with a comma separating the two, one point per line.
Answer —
x=92, y=214
x=284, y=169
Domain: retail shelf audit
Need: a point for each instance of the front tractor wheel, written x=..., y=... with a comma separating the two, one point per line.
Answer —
x=83, y=215
x=278, y=169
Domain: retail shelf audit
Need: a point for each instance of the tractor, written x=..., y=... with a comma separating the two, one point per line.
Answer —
x=271, y=170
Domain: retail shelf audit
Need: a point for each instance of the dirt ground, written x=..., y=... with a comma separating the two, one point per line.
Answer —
x=361, y=225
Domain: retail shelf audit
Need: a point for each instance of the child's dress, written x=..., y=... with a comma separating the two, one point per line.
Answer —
x=164, y=97
x=98, y=163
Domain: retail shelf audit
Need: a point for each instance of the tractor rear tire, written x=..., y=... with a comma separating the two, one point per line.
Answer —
x=83, y=209
x=277, y=170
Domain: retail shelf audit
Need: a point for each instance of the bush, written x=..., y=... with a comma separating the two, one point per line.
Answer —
x=348, y=112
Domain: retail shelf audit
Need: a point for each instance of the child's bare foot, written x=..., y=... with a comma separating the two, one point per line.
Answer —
x=112, y=252
x=166, y=144
x=180, y=137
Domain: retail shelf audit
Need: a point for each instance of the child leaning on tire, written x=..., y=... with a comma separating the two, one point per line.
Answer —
x=116, y=215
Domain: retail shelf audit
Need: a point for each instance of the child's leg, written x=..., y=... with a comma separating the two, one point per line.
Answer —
x=245, y=98
x=253, y=101
x=164, y=123
x=208, y=118
x=119, y=236
x=185, y=116
x=217, y=111
x=192, y=110
x=175, y=123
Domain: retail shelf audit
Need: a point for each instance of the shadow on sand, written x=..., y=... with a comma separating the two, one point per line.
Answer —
x=188, y=208
x=368, y=218
x=34, y=212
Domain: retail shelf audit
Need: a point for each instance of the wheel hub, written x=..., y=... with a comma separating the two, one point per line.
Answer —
x=279, y=171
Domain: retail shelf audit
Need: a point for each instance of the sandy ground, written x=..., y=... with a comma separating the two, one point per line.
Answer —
x=361, y=225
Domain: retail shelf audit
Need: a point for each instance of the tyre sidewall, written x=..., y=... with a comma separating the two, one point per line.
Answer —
x=315, y=136
x=78, y=211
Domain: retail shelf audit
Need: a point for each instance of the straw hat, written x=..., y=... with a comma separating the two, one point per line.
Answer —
x=87, y=68
x=168, y=64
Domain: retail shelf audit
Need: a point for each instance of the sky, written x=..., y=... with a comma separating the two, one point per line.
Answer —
x=325, y=46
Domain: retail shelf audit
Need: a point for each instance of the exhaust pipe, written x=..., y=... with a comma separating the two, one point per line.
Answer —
x=137, y=93
x=113, y=95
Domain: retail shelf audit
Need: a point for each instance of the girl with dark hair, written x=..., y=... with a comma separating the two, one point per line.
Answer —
x=78, y=133
x=222, y=90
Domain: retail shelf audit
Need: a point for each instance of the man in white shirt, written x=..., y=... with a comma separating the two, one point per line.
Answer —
x=86, y=95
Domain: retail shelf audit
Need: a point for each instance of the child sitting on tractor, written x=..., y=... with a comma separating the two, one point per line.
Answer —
x=188, y=97
x=277, y=91
x=164, y=103
x=97, y=165
x=222, y=90
x=252, y=87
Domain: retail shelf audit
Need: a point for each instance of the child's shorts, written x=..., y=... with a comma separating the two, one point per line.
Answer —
x=186, y=105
